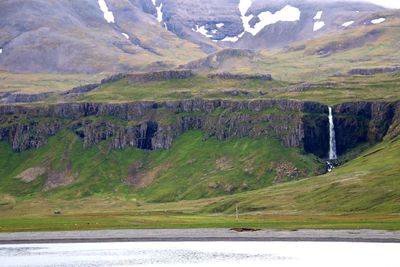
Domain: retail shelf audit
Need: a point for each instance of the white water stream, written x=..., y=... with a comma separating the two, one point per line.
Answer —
x=332, y=137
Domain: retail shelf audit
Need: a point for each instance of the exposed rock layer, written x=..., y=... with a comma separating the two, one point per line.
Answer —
x=154, y=125
x=373, y=71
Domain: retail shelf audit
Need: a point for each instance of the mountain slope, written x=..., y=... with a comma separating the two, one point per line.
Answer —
x=121, y=35
x=74, y=37
x=261, y=24
x=359, y=46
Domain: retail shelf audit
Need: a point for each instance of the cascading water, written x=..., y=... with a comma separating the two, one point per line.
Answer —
x=332, y=137
x=332, y=142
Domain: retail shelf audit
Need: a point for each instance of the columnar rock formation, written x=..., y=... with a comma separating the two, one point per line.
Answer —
x=154, y=125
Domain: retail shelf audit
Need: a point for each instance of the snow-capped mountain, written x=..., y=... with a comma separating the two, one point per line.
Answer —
x=94, y=36
x=260, y=23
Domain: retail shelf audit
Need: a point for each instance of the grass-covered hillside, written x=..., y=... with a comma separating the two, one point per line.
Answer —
x=333, y=90
x=195, y=167
x=363, y=193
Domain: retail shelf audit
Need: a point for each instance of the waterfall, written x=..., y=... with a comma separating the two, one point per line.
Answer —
x=332, y=138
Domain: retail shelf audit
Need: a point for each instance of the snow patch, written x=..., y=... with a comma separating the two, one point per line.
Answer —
x=202, y=30
x=244, y=6
x=378, y=21
x=318, y=16
x=125, y=35
x=160, y=14
x=108, y=15
x=318, y=25
x=233, y=39
x=288, y=13
x=1, y=51
x=219, y=25
x=348, y=23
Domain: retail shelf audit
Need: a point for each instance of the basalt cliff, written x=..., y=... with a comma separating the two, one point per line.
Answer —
x=155, y=125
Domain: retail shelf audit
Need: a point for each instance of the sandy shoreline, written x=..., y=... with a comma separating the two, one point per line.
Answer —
x=186, y=235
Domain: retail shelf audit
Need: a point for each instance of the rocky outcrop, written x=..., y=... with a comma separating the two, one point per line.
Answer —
x=114, y=78
x=154, y=125
x=11, y=97
x=23, y=135
x=360, y=122
x=141, y=124
x=81, y=89
x=159, y=76
x=231, y=76
x=373, y=71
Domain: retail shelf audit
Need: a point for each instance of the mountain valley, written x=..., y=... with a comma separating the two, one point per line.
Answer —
x=179, y=114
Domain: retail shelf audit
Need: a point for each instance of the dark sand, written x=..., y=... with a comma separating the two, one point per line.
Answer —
x=174, y=235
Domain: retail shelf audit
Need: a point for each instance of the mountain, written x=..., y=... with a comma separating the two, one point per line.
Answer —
x=74, y=37
x=92, y=36
x=261, y=24
x=161, y=113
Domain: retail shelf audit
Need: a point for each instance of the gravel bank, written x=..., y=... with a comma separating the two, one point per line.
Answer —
x=199, y=235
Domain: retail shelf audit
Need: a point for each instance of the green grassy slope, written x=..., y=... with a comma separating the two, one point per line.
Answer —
x=195, y=167
x=370, y=183
x=333, y=90
x=32, y=83
x=363, y=193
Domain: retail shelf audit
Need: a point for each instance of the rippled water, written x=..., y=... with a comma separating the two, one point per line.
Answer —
x=202, y=254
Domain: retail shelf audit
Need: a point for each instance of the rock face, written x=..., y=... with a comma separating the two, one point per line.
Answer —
x=160, y=76
x=81, y=89
x=360, y=122
x=10, y=97
x=373, y=71
x=230, y=76
x=154, y=125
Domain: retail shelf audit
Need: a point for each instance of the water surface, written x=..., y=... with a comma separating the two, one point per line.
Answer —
x=249, y=254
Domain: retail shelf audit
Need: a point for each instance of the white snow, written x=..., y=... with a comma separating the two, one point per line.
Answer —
x=125, y=35
x=378, y=21
x=219, y=25
x=244, y=6
x=159, y=13
x=214, y=31
x=108, y=15
x=348, y=23
x=318, y=25
x=202, y=30
x=1, y=51
x=318, y=16
x=165, y=26
x=233, y=39
x=288, y=13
